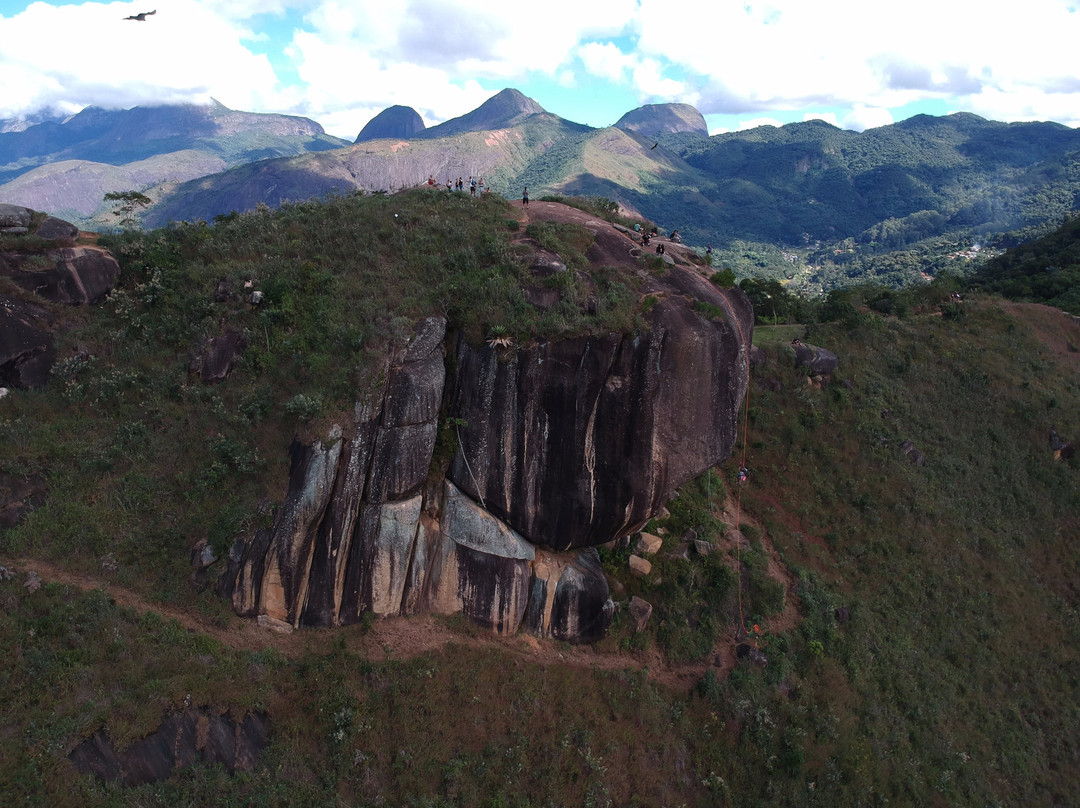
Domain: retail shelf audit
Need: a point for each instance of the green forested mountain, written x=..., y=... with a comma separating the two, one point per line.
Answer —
x=808, y=203
x=1046, y=270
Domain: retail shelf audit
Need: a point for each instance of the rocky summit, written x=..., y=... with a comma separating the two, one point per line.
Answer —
x=562, y=446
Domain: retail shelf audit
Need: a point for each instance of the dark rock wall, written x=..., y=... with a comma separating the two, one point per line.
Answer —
x=563, y=446
x=577, y=442
x=182, y=740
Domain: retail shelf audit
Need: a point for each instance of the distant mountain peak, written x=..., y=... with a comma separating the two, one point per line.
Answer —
x=659, y=119
x=393, y=122
x=503, y=110
x=511, y=99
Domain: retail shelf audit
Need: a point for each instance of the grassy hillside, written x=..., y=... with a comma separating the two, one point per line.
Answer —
x=1046, y=270
x=954, y=682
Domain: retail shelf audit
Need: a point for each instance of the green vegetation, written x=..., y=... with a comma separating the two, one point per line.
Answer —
x=1046, y=270
x=953, y=682
x=143, y=458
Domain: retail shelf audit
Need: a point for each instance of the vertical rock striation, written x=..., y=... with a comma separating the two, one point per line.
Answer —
x=563, y=446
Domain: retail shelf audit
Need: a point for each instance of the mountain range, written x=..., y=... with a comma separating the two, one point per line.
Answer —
x=809, y=201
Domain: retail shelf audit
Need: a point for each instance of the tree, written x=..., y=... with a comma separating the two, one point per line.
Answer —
x=128, y=202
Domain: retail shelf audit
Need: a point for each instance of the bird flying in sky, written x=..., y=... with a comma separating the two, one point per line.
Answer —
x=141, y=16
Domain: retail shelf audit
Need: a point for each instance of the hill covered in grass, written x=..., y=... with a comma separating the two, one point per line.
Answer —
x=1046, y=270
x=918, y=622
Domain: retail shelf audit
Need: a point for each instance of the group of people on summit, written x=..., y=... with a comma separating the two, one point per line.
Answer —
x=475, y=186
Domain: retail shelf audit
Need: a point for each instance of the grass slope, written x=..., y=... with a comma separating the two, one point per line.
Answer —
x=953, y=683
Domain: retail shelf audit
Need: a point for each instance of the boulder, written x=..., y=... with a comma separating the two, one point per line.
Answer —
x=640, y=612
x=219, y=357
x=544, y=263
x=750, y=654
x=53, y=229
x=27, y=348
x=582, y=440
x=19, y=494
x=14, y=218
x=648, y=544
x=639, y=566
x=569, y=597
x=758, y=357
x=680, y=553
x=180, y=741
x=485, y=567
x=817, y=361
x=913, y=454
x=74, y=275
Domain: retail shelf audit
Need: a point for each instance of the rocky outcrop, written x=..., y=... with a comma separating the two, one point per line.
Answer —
x=19, y=220
x=182, y=740
x=815, y=359
x=395, y=122
x=27, y=348
x=73, y=275
x=652, y=120
x=219, y=357
x=556, y=448
x=14, y=219
x=576, y=442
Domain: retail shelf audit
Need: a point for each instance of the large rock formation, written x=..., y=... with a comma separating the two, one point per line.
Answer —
x=560, y=447
x=27, y=347
x=183, y=739
x=58, y=274
x=652, y=120
x=396, y=121
x=75, y=275
x=502, y=110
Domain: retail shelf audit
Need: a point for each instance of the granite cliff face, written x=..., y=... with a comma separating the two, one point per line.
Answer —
x=396, y=121
x=557, y=448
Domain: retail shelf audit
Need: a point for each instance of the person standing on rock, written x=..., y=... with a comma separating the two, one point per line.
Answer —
x=525, y=197
x=472, y=185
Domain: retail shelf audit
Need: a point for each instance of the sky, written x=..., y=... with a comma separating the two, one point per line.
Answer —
x=742, y=64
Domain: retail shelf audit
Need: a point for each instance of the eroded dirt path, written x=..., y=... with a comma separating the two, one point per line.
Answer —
x=408, y=637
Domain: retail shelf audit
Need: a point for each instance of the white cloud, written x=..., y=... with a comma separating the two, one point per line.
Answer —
x=862, y=118
x=828, y=117
x=754, y=123
x=444, y=57
x=78, y=55
x=791, y=54
x=606, y=60
x=650, y=81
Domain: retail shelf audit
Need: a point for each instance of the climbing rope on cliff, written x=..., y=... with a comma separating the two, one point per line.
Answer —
x=461, y=446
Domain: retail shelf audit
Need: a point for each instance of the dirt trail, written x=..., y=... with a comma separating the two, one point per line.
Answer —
x=395, y=637
x=407, y=637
